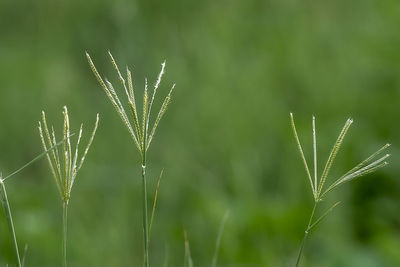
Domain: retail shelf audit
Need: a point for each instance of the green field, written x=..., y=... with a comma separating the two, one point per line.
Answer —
x=225, y=142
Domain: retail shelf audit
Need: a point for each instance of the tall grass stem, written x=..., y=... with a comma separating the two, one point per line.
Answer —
x=145, y=216
x=65, y=229
x=7, y=210
x=306, y=232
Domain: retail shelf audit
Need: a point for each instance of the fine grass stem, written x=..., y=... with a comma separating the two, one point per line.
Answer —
x=306, y=232
x=219, y=238
x=188, y=262
x=139, y=131
x=155, y=201
x=34, y=159
x=7, y=210
x=24, y=256
x=65, y=228
x=367, y=166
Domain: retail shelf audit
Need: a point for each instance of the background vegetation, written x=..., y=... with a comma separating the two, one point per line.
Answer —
x=225, y=142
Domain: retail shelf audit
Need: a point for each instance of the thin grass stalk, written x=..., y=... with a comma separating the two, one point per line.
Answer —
x=306, y=232
x=144, y=200
x=65, y=228
x=33, y=160
x=7, y=210
x=324, y=215
x=219, y=238
x=24, y=255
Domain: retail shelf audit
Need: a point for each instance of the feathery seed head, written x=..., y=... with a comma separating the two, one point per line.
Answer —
x=64, y=169
x=138, y=129
x=363, y=168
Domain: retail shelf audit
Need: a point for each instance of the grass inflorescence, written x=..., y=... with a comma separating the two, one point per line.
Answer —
x=367, y=166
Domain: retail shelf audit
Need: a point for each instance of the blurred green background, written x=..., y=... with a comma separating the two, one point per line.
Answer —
x=225, y=142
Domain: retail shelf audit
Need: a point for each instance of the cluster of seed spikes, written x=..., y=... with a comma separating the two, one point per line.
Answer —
x=140, y=130
x=66, y=168
x=367, y=166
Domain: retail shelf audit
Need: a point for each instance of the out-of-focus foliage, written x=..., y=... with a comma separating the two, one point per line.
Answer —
x=225, y=143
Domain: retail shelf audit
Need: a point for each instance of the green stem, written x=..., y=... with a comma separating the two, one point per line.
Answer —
x=306, y=232
x=145, y=222
x=7, y=210
x=65, y=226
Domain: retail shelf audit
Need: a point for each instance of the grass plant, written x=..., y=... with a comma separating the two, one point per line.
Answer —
x=10, y=223
x=6, y=205
x=65, y=167
x=367, y=166
x=139, y=130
